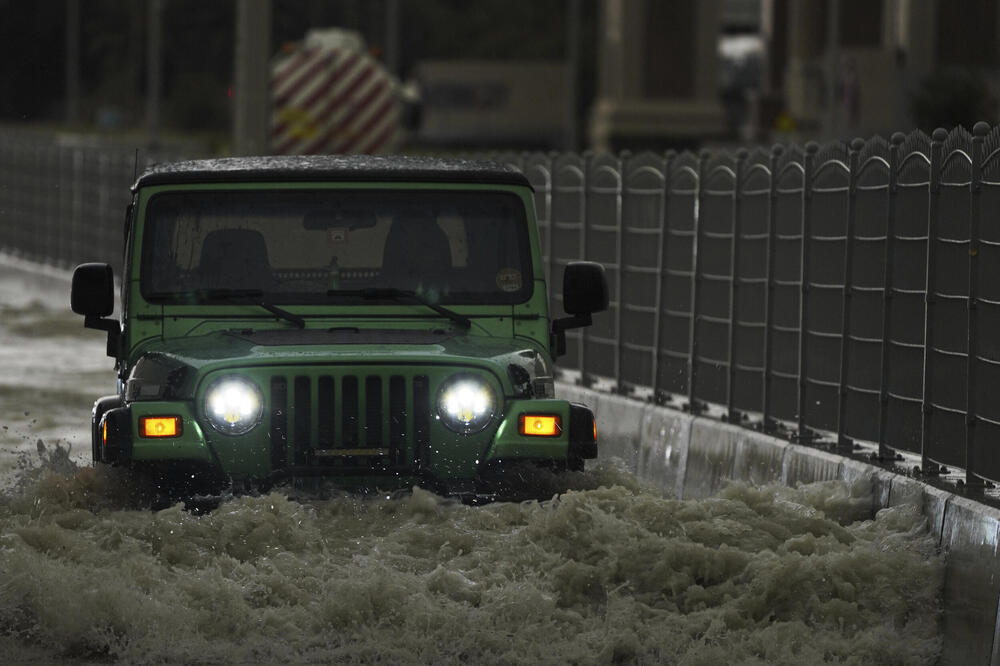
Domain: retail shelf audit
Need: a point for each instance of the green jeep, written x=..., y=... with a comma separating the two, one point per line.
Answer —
x=380, y=322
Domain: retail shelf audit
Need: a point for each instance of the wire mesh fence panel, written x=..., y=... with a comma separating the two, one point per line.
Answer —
x=642, y=232
x=751, y=283
x=567, y=238
x=603, y=214
x=864, y=310
x=987, y=353
x=118, y=168
x=69, y=237
x=825, y=251
x=42, y=236
x=63, y=200
x=948, y=335
x=786, y=285
x=907, y=277
x=86, y=202
x=86, y=236
x=716, y=208
x=676, y=278
x=538, y=170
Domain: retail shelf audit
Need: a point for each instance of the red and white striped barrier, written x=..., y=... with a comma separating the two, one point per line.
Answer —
x=331, y=96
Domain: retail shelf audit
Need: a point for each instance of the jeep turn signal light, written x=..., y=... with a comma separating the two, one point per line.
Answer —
x=540, y=425
x=160, y=426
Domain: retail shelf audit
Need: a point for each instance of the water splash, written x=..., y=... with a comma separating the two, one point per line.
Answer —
x=604, y=574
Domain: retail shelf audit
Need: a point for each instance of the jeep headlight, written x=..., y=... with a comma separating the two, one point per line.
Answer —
x=233, y=405
x=466, y=404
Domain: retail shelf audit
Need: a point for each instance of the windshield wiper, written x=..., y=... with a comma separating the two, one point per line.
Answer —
x=256, y=296
x=391, y=294
x=284, y=314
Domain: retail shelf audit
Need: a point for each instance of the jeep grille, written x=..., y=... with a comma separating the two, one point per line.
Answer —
x=368, y=421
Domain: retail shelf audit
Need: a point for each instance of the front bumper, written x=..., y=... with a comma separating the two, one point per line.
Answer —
x=293, y=444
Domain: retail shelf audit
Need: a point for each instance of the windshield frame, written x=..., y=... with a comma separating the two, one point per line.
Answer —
x=525, y=237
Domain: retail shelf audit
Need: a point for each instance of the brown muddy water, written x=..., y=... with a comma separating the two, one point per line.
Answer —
x=604, y=572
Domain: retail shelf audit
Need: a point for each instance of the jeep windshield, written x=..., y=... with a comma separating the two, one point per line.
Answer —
x=312, y=246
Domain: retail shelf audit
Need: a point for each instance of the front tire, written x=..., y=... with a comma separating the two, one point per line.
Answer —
x=101, y=407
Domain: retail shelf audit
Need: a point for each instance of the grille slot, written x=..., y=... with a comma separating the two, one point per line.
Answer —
x=421, y=420
x=326, y=412
x=397, y=419
x=373, y=412
x=279, y=421
x=303, y=419
x=349, y=401
x=351, y=421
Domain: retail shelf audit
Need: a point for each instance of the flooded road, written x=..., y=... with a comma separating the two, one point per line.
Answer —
x=603, y=573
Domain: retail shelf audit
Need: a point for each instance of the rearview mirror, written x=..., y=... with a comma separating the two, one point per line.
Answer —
x=348, y=217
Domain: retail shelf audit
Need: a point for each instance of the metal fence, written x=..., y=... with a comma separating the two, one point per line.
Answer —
x=63, y=198
x=840, y=292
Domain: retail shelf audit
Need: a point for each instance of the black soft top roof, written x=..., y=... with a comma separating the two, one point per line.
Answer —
x=335, y=168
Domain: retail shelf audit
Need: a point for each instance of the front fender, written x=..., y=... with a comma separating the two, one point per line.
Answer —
x=576, y=439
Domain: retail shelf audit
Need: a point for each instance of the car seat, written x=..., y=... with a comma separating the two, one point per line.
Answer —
x=417, y=252
x=234, y=259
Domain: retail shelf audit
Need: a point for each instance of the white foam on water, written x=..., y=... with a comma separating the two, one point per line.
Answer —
x=51, y=368
x=757, y=575
x=606, y=573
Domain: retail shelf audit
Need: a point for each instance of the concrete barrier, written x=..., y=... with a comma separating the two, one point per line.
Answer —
x=691, y=458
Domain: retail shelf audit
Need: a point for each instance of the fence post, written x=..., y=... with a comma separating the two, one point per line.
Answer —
x=79, y=214
x=550, y=262
x=734, y=283
x=933, y=211
x=768, y=424
x=888, y=266
x=979, y=132
x=809, y=168
x=857, y=145
x=620, y=198
x=659, y=397
x=693, y=405
x=46, y=237
x=5, y=232
x=585, y=379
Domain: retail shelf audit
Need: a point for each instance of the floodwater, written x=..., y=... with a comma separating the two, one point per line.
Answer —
x=605, y=572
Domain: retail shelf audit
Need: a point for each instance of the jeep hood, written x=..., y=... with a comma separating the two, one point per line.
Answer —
x=179, y=362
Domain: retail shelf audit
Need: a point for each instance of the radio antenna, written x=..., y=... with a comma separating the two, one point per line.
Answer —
x=135, y=166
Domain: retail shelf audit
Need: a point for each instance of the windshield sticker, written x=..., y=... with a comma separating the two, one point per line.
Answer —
x=509, y=279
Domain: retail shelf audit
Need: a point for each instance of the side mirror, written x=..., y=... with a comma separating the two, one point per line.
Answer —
x=585, y=291
x=93, y=296
x=93, y=292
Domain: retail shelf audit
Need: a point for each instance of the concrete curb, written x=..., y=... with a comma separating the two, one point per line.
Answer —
x=692, y=457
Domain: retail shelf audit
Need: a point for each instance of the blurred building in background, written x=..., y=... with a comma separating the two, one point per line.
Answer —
x=491, y=103
x=546, y=74
x=657, y=77
x=686, y=72
x=858, y=67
